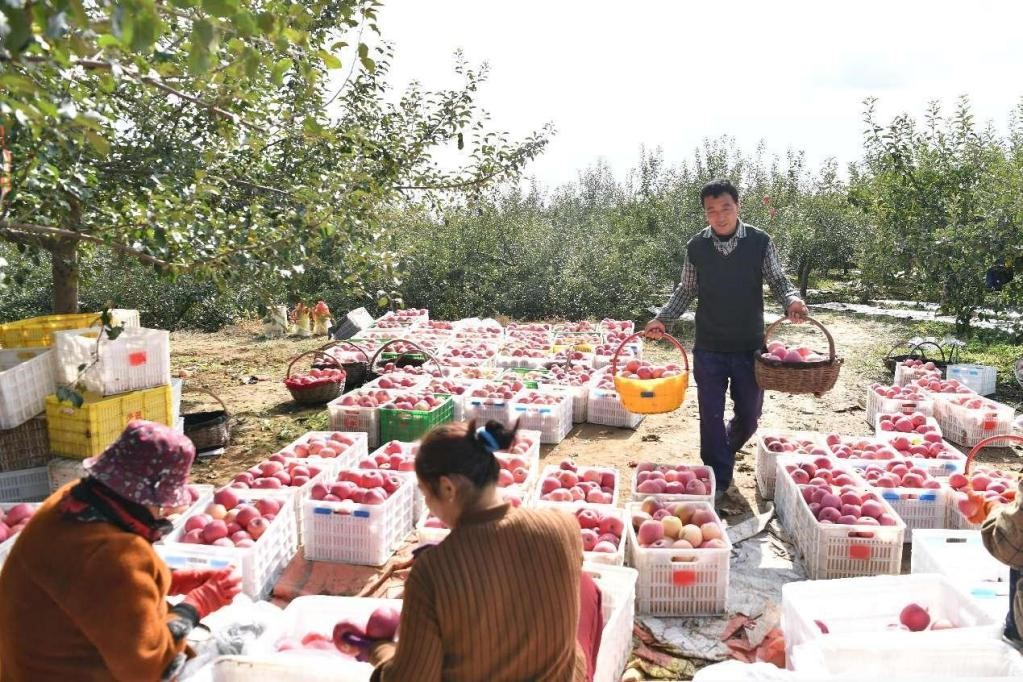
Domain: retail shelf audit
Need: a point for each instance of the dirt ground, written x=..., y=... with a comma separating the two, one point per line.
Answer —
x=245, y=371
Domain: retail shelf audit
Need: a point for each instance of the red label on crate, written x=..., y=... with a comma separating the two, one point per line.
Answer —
x=859, y=552
x=350, y=421
x=683, y=578
x=137, y=358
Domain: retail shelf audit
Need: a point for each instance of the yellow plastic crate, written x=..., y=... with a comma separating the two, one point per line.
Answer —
x=34, y=332
x=88, y=430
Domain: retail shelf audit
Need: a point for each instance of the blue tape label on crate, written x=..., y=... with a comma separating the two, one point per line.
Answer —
x=891, y=497
x=929, y=497
x=361, y=513
x=983, y=593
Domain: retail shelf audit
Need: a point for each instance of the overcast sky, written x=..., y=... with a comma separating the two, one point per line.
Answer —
x=613, y=76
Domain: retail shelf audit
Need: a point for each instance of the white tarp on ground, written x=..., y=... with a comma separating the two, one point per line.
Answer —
x=762, y=561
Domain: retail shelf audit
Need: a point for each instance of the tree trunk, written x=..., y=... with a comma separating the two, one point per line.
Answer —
x=804, y=278
x=64, y=257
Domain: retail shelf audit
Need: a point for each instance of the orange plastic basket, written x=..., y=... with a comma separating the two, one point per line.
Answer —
x=651, y=396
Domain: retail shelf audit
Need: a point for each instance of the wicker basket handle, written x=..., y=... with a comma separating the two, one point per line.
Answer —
x=990, y=440
x=831, y=339
x=433, y=358
x=924, y=355
x=203, y=389
x=316, y=353
x=614, y=358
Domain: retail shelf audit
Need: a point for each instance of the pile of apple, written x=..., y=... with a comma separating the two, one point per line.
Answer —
x=577, y=357
x=792, y=443
x=912, y=617
x=604, y=382
x=333, y=444
x=608, y=349
x=994, y=484
x=846, y=506
x=912, y=422
x=440, y=325
x=528, y=328
x=935, y=385
x=929, y=446
x=419, y=402
x=471, y=352
x=365, y=398
x=494, y=392
x=569, y=483
x=474, y=373
x=274, y=473
x=393, y=323
x=679, y=525
x=393, y=455
x=567, y=338
x=361, y=486
x=679, y=479
x=522, y=444
x=524, y=349
x=918, y=368
x=537, y=398
x=315, y=377
x=601, y=531
x=573, y=375
x=515, y=470
x=413, y=313
x=617, y=326
x=228, y=522
x=14, y=519
x=397, y=380
x=794, y=355
x=642, y=369
x=905, y=393
x=820, y=472
x=898, y=474
x=193, y=494
x=448, y=386
x=580, y=327
x=855, y=447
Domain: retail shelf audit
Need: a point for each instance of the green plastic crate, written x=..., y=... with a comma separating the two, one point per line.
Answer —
x=411, y=425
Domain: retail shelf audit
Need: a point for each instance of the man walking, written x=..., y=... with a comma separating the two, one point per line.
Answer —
x=725, y=267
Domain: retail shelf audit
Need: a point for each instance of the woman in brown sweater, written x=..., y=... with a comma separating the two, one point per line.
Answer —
x=83, y=594
x=498, y=599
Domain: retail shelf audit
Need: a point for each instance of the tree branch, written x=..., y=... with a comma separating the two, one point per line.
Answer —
x=23, y=231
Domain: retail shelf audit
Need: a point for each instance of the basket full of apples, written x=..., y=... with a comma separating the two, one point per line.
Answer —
x=317, y=385
x=645, y=388
x=796, y=369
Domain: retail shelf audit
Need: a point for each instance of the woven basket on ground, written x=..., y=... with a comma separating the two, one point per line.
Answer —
x=208, y=430
x=804, y=377
x=322, y=391
x=918, y=352
x=355, y=371
x=372, y=373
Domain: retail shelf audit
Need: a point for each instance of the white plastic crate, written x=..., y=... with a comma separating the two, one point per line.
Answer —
x=366, y=534
x=981, y=378
x=26, y=377
x=437, y=386
x=905, y=375
x=787, y=498
x=879, y=659
x=876, y=403
x=296, y=495
x=259, y=565
x=554, y=422
x=176, y=387
x=678, y=497
x=968, y=427
x=303, y=615
x=552, y=469
x=345, y=459
x=766, y=464
x=354, y=418
x=63, y=470
x=617, y=587
x=920, y=509
x=835, y=550
x=605, y=407
x=137, y=359
x=960, y=556
x=482, y=410
x=680, y=582
x=857, y=611
x=25, y=485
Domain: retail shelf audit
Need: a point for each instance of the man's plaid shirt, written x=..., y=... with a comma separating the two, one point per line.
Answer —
x=774, y=275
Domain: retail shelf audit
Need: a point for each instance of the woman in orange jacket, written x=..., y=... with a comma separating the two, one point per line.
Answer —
x=83, y=595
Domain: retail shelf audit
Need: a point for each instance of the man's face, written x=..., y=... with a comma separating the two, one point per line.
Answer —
x=722, y=213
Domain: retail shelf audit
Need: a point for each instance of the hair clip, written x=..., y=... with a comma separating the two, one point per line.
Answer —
x=489, y=443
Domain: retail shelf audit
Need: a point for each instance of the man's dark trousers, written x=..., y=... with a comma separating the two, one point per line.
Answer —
x=714, y=371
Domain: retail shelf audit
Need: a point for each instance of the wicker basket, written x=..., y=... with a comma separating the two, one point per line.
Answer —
x=807, y=377
x=651, y=396
x=209, y=430
x=411, y=359
x=355, y=372
x=891, y=360
x=321, y=393
x=25, y=446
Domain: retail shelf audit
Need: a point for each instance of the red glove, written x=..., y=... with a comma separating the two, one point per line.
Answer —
x=186, y=580
x=214, y=594
x=977, y=508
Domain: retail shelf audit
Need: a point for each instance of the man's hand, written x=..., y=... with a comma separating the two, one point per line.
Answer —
x=654, y=329
x=797, y=312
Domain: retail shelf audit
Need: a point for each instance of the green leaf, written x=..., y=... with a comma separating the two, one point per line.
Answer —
x=114, y=332
x=368, y=64
x=220, y=8
x=280, y=68
x=329, y=60
x=97, y=142
x=69, y=395
x=108, y=40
